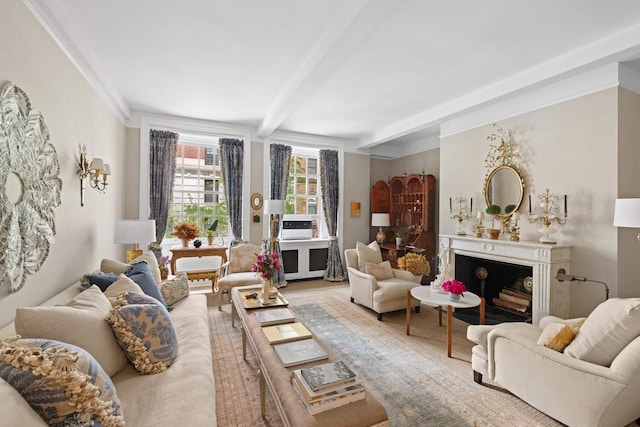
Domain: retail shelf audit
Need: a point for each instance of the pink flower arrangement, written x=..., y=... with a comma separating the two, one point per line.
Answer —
x=266, y=264
x=455, y=287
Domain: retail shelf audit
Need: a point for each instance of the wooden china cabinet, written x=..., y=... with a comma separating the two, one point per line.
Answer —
x=410, y=202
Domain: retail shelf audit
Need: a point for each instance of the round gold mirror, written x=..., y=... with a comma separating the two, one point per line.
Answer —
x=504, y=188
x=256, y=201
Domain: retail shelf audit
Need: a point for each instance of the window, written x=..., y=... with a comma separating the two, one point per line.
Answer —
x=302, y=191
x=198, y=195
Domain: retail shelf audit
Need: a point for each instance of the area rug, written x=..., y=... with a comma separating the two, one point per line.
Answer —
x=410, y=375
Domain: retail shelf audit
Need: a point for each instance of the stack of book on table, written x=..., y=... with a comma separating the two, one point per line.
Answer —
x=327, y=386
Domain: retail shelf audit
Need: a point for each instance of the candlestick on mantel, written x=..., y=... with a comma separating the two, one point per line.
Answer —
x=529, y=204
x=480, y=215
x=450, y=205
x=471, y=206
x=565, y=205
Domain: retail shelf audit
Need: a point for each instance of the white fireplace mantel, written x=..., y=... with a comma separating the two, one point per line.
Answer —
x=550, y=297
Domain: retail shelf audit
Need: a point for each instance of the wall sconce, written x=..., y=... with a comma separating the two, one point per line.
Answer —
x=92, y=171
x=627, y=213
x=274, y=208
x=561, y=276
x=134, y=232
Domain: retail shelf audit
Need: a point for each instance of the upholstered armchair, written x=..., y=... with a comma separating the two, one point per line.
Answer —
x=374, y=284
x=582, y=372
x=237, y=270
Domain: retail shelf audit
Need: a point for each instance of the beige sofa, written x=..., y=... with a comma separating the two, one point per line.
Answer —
x=591, y=378
x=183, y=395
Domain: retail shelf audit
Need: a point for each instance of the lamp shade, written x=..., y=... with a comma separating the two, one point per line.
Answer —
x=380, y=220
x=96, y=165
x=627, y=213
x=134, y=231
x=274, y=207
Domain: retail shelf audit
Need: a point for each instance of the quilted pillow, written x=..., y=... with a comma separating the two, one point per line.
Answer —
x=175, y=289
x=242, y=257
x=368, y=253
x=80, y=322
x=63, y=383
x=117, y=267
x=382, y=271
x=606, y=331
x=144, y=331
x=139, y=273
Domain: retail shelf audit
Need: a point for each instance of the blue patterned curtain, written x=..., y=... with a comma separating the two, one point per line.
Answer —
x=162, y=166
x=280, y=157
x=330, y=196
x=232, y=165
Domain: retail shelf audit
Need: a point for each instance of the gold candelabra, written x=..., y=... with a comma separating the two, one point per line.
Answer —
x=546, y=214
x=478, y=226
x=460, y=212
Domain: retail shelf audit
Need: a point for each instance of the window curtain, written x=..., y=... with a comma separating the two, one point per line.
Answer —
x=330, y=195
x=232, y=165
x=280, y=157
x=163, y=146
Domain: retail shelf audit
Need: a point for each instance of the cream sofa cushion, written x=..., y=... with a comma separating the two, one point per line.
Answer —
x=117, y=267
x=81, y=322
x=380, y=271
x=368, y=253
x=122, y=284
x=606, y=331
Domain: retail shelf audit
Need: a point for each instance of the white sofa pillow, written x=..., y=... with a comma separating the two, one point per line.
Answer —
x=81, y=322
x=606, y=331
x=368, y=253
x=117, y=267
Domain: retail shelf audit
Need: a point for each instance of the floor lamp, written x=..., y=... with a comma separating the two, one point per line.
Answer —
x=273, y=208
x=128, y=231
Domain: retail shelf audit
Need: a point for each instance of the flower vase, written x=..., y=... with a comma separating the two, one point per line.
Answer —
x=454, y=297
x=164, y=273
x=185, y=243
x=273, y=291
x=266, y=286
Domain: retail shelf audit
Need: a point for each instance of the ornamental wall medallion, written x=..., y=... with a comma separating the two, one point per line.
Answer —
x=30, y=188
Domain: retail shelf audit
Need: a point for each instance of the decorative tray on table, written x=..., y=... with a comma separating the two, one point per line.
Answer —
x=252, y=298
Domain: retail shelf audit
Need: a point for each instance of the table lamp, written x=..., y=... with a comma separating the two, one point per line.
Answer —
x=128, y=231
x=273, y=208
x=380, y=220
x=627, y=213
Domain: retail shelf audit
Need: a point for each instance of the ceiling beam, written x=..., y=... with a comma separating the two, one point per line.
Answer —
x=353, y=23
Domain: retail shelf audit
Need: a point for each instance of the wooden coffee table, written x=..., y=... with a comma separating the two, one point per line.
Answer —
x=424, y=294
x=367, y=412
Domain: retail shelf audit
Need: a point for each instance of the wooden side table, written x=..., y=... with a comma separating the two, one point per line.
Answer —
x=178, y=252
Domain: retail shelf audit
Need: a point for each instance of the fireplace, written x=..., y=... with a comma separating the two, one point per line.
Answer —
x=540, y=261
x=506, y=288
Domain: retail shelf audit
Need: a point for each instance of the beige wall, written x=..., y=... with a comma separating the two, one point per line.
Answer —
x=132, y=174
x=75, y=115
x=628, y=249
x=257, y=229
x=356, y=189
x=569, y=148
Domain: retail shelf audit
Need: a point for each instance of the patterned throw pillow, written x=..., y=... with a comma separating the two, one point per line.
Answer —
x=175, y=289
x=63, y=383
x=144, y=330
x=368, y=253
x=382, y=271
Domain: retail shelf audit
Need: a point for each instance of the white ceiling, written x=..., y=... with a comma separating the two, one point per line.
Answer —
x=374, y=71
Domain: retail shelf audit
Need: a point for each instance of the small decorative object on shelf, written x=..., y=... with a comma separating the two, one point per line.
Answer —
x=185, y=231
x=460, y=212
x=478, y=226
x=197, y=243
x=514, y=230
x=455, y=289
x=267, y=264
x=546, y=214
x=493, y=232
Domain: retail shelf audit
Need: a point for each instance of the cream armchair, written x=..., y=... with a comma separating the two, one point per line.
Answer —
x=237, y=270
x=382, y=296
x=593, y=381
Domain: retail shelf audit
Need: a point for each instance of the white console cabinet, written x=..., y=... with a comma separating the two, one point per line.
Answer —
x=304, y=259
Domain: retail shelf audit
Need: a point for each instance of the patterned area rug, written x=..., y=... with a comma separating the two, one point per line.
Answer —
x=410, y=375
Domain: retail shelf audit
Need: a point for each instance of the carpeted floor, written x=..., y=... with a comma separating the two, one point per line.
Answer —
x=411, y=375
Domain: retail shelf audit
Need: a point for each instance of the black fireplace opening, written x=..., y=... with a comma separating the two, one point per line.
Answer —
x=506, y=288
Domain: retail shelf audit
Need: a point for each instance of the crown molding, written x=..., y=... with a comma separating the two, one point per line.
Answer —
x=64, y=33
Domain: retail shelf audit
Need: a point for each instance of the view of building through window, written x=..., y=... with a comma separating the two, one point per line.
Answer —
x=303, y=189
x=198, y=193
